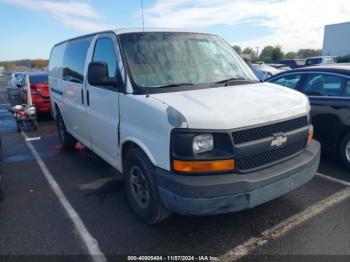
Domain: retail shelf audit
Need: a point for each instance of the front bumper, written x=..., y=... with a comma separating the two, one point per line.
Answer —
x=218, y=194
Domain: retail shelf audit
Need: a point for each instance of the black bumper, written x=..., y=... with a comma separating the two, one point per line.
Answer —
x=217, y=194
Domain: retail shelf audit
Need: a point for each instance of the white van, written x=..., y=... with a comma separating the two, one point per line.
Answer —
x=183, y=118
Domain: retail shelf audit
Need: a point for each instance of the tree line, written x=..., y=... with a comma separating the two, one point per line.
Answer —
x=273, y=53
x=28, y=63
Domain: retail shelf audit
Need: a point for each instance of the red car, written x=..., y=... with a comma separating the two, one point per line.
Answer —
x=39, y=87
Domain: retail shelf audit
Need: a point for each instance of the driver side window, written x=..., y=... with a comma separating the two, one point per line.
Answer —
x=105, y=52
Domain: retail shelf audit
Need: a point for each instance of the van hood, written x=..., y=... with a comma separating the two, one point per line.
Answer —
x=236, y=106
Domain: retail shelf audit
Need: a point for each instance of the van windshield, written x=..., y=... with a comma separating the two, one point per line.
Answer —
x=168, y=59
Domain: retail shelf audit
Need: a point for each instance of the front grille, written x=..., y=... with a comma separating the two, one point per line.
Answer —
x=269, y=156
x=244, y=136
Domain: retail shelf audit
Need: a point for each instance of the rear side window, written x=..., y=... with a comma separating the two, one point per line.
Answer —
x=74, y=60
x=323, y=85
x=290, y=81
x=56, y=59
x=105, y=52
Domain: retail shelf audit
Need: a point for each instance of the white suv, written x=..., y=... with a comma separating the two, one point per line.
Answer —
x=183, y=118
x=321, y=60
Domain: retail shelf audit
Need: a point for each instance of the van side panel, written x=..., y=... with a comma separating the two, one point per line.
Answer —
x=73, y=85
x=144, y=121
x=55, y=77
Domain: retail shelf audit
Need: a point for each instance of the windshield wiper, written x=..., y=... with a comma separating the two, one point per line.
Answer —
x=174, y=85
x=226, y=81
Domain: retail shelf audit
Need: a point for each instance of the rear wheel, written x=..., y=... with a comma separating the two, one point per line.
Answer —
x=67, y=140
x=141, y=188
x=344, y=150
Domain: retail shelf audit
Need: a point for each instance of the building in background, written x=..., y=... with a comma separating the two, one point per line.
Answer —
x=336, y=41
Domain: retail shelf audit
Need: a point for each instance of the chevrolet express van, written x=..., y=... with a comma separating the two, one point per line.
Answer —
x=183, y=118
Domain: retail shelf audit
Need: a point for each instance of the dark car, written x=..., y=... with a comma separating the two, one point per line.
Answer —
x=328, y=88
x=292, y=63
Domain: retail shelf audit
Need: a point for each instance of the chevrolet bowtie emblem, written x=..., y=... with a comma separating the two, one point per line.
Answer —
x=279, y=141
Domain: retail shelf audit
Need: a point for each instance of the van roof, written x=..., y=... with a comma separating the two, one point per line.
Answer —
x=133, y=30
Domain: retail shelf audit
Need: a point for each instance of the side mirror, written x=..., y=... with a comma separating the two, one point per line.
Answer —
x=98, y=75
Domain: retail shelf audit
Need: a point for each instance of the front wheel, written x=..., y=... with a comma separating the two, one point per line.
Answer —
x=344, y=151
x=141, y=188
x=67, y=140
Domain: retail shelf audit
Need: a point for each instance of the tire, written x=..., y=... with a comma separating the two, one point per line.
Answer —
x=141, y=188
x=67, y=140
x=344, y=151
x=2, y=193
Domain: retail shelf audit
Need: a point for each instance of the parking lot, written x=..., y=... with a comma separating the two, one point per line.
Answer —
x=61, y=202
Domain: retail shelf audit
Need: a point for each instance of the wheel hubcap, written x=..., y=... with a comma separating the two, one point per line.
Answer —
x=347, y=151
x=139, y=187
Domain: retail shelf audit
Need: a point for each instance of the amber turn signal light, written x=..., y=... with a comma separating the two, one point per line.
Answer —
x=203, y=166
x=311, y=135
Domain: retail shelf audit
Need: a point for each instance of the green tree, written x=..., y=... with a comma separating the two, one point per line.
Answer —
x=238, y=49
x=277, y=53
x=249, y=51
x=291, y=55
x=266, y=53
x=306, y=53
x=270, y=53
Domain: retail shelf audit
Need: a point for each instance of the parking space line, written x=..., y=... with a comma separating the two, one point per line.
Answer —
x=333, y=179
x=285, y=226
x=90, y=243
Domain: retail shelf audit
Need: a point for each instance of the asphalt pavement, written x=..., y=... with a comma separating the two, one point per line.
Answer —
x=33, y=221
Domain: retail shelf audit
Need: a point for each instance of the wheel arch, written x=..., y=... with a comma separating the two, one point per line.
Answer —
x=129, y=143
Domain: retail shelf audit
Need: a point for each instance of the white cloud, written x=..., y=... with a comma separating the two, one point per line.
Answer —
x=294, y=23
x=75, y=14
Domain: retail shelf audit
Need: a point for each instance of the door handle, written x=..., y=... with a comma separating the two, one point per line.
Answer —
x=88, y=97
x=82, y=96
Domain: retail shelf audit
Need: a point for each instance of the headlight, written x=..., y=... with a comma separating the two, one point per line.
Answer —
x=203, y=143
x=194, y=151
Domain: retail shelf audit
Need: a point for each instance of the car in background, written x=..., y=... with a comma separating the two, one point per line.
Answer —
x=320, y=60
x=281, y=67
x=40, y=91
x=328, y=88
x=15, y=79
x=292, y=63
x=264, y=71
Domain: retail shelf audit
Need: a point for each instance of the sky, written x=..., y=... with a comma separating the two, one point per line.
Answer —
x=29, y=28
